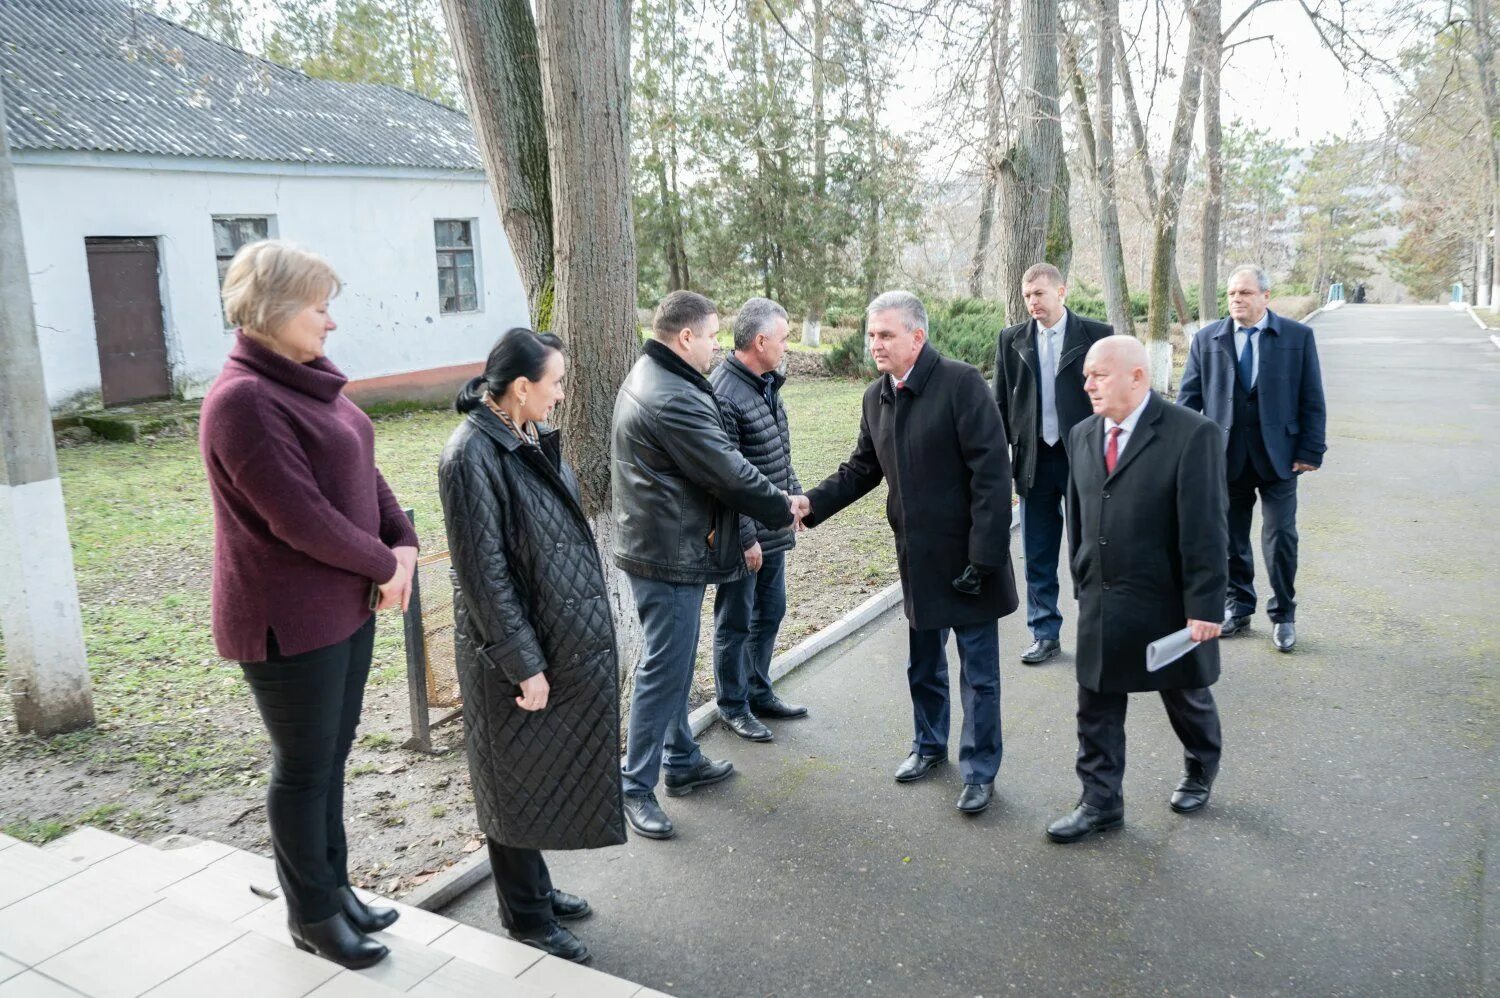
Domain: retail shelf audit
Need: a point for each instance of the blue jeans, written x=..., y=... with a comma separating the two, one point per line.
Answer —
x=747, y=615
x=1041, y=539
x=659, y=706
x=980, y=744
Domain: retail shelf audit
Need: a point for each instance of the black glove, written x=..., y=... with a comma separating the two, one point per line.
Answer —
x=972, y=580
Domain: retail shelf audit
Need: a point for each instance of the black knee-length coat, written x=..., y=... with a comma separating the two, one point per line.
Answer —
x=530, y=597
x=940, y=446
x=1149, y=547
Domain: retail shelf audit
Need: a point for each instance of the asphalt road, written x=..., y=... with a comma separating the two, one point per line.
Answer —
x=1345, y=850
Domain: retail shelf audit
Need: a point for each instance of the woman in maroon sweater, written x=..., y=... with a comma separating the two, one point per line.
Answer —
x=308, y=540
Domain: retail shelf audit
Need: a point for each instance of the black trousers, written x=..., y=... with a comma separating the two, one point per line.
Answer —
x=523, y=886
x=1101, y=739
x=1278, y=544
x=310, y=704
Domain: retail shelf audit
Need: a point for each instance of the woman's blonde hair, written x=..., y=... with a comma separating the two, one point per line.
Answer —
x=270, y=281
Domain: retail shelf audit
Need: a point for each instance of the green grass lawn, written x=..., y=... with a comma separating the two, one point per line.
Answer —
x=176, y=725
x=1489, y=317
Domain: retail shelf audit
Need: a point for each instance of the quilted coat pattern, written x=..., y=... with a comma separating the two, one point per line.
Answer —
x=529, y=597
x=759, y=430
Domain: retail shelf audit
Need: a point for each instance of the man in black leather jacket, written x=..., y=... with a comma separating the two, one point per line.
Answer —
x=679, y=488
x=748, y=612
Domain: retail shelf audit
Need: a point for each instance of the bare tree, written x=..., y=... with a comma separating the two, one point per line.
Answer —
x=1484, y=58
x=1202, y=17
x=1213, y=161
x=994, y=140
x=1143, y=150
x=558, y=87
x=495, y=44
x=1096, y=138
x=812, y=323
x=1029, y=171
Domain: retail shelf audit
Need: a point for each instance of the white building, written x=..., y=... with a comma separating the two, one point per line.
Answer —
x=145, y=155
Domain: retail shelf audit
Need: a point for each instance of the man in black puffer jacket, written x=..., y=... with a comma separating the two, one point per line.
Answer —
x=748, y=612
x=679, y=488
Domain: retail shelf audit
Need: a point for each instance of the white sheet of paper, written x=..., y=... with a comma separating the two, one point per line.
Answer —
x=1164, y=651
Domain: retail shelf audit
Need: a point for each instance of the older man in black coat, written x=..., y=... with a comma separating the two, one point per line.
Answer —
x=1146, y=529
x=930, y=428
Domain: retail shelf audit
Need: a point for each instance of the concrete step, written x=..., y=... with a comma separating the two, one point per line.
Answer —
x=99, y=915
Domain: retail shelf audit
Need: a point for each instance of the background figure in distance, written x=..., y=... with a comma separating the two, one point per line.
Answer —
x=679, y=488
x=1146, y=534
x=533, y=637
x=306, y=531
x=748, y=611
x=929, y=427
x=1039, y=387
x=1256, y=374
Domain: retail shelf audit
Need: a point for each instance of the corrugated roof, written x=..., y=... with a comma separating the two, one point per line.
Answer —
x=99, y=75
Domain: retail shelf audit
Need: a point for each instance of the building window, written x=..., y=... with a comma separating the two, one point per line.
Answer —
x=233, y=231
x=458, y=288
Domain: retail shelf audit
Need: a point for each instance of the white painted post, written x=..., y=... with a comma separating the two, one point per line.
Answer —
x=44, y=654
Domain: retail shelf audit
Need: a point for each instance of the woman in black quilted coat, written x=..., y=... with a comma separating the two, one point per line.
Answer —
x=534, y=640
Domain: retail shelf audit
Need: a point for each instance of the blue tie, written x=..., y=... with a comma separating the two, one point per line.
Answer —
x=1247, y=360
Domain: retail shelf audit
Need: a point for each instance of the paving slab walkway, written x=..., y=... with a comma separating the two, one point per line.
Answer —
x=1345, y=851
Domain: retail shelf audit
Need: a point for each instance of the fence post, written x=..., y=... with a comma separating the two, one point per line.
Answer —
x=416, y=664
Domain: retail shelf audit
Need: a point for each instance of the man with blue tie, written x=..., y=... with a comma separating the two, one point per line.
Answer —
x=1256, y=374
x=1039, y=388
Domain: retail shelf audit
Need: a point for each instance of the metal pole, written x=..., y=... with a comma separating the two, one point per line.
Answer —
x=39, y=614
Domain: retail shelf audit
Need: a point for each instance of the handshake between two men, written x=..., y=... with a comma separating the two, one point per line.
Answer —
x=969, y=582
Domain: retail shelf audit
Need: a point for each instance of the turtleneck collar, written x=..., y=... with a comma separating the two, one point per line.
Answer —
x=318, y=378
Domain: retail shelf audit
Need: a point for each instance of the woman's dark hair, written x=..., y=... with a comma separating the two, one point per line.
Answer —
x=520, y=353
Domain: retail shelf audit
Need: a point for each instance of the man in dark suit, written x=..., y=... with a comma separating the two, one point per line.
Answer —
x=1039, y=387
x=1147, y=537
x=929, y=427
x=1256, y=374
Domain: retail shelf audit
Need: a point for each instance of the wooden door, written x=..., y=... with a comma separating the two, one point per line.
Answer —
x=124, y=276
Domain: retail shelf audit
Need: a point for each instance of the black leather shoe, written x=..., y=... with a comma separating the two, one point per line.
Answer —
x=555, y=940
x=777, y=709
x=1085, y=820
x=706, y=772
x=1284, y=636
x=976, y=797
x=1191, y=794
x=362, y=916
x=1041, y=649
x=337, y=940
x=568, y=907
x=647, y=818
x=747, y=727
x=1233, y=626
x=917, y=766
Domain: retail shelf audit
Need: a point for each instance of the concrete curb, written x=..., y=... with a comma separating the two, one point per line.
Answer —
x=1495, y=340
x=789, y=661
x=473, y=869
x=1469, y=310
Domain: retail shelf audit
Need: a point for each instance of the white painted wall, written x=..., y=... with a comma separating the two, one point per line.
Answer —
x=374, y=226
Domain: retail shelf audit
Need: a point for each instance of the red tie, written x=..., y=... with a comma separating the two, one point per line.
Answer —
x=1112, y=452
x=900, y=384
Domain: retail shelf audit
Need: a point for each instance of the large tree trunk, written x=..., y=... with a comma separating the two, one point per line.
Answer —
x=994, y=142
x=1099, y=155
x=1484, y=58
x=812, y=323
x=586, y=95
x=872, y=255
x=1029, y=172
x=495, y=45
x=1164, y=247
x=1143, y=151
x=1213, y=155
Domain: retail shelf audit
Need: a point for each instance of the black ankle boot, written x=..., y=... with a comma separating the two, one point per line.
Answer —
x=337, y=940
x=362, y=916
